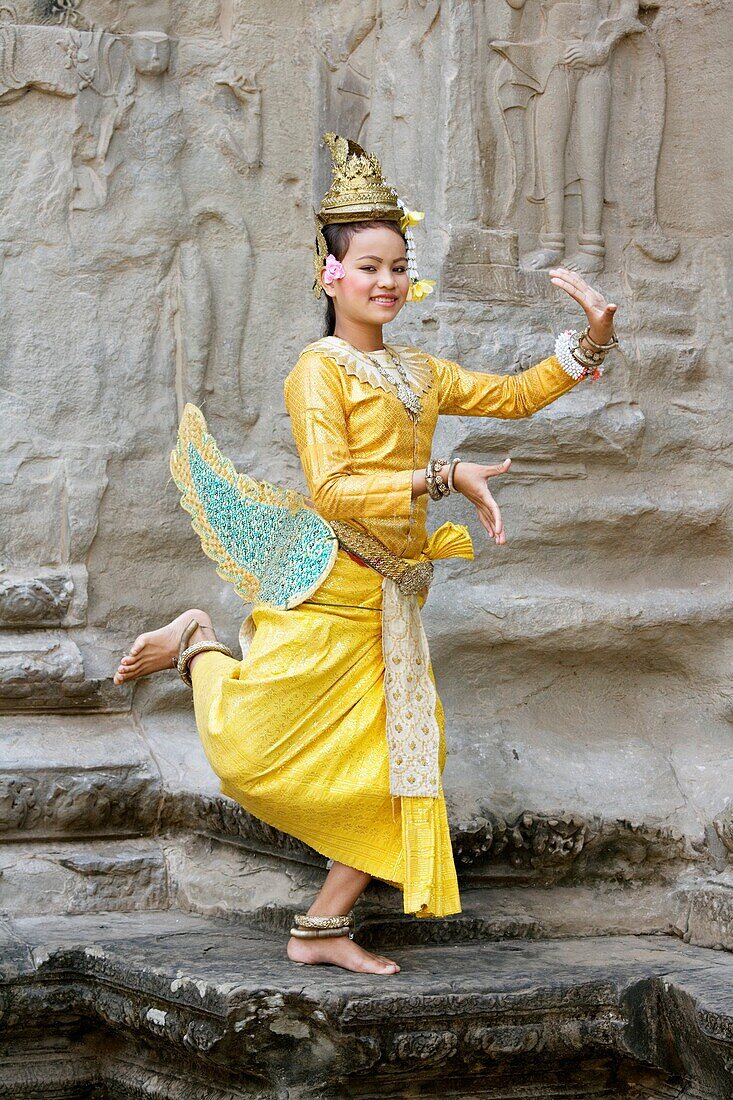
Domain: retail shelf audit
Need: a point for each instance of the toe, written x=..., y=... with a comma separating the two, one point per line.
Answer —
x=391, y=965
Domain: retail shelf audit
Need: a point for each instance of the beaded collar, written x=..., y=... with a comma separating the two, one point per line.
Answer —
x=416, y=363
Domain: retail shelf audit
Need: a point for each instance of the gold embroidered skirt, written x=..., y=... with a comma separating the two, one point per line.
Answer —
x=296, y=732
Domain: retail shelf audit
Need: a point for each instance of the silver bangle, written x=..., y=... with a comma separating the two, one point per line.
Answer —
x=451, y=469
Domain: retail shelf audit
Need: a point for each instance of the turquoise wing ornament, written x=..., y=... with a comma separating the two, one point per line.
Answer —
x=265, y=539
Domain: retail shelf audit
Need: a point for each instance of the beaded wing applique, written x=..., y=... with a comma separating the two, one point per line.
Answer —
x=265, y=540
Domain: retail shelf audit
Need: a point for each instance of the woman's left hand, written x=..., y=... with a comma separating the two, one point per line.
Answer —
x=599, y=312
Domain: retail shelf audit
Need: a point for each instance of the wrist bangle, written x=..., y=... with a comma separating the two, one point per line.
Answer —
x=599, y=347
x=437, y=488
x=451, y=470
x=576, y=361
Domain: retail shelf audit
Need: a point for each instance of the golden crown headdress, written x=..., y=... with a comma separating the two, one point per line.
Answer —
x=359, y=192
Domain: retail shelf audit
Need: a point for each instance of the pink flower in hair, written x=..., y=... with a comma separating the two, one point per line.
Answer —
x=334, y=270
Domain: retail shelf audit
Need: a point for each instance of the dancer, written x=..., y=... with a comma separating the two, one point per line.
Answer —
x=330, y=727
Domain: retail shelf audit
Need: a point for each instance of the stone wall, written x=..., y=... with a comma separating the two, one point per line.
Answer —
x=160, y=163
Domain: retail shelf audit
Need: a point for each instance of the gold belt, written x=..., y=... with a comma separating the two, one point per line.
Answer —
x=410, y=577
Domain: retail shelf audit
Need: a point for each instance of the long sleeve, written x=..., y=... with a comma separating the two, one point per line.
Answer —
x=315, y=403
x=508, y=396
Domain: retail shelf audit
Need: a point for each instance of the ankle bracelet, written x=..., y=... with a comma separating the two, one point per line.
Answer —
x=312, y=920
x=321, y=933
x=198, y=647
x=310, y=926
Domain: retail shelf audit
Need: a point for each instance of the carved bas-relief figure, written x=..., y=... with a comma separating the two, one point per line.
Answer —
x=151, y=217
x=562, y=80
x=403, y=84
x=242, y=143
x=346, y=44
x=223, y=112
x=90, y=67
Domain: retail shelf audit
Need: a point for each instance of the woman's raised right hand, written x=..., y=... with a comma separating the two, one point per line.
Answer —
x=470, y=479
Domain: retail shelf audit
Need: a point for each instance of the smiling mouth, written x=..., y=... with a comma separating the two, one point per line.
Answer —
x=384, y=301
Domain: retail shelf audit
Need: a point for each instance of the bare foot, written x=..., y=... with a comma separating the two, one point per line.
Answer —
x=585, y=263
x=540, y=259
x=156, y=649
x=339, y=951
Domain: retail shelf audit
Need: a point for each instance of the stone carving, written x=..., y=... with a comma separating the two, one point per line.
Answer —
x=76, y=803
x=346, y=43
x=35, y=601
x=402, y=84
x=558, y=73
x=67, y=12
x=505, y=1041
x=552, y=848
x=424, y=1048
x=532, y=841
x=119, y=86
x=723, y=825
x=89, y=66
x=18, y=804
x=222, y=108
x=242, y=140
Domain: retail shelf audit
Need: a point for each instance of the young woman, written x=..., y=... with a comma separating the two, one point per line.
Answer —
x=330, y=728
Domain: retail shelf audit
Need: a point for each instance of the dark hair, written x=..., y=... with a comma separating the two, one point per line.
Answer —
x=338, y=238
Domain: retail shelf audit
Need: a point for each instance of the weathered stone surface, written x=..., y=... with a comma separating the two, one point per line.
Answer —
x=163, y=199
x=83, y=878
x=62, y=776
x=160, y=163
x=592, y=1012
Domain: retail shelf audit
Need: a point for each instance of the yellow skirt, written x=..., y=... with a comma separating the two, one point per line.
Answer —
x=296, y=734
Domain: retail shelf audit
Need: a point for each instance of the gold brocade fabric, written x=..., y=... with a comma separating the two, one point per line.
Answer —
x=359, y=447
x=296, y=733
x=296, y=730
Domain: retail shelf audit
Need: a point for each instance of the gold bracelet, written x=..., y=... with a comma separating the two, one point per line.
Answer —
x=599, y=347
x=453, y=463
x=198, y=647
x=306, y=920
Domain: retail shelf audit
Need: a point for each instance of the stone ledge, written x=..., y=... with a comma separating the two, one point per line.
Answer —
x=210, y=1004
x=574, y=619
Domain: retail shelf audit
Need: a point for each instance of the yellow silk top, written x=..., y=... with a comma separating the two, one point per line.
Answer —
x=359, y=446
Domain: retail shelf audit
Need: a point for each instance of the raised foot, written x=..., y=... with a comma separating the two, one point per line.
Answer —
x=155, y=650
x=339, y=951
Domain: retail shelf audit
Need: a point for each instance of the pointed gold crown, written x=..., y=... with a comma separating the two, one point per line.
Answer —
x=359, y=192
x=358, y=189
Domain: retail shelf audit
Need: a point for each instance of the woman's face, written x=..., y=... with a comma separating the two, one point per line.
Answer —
x=374, y=288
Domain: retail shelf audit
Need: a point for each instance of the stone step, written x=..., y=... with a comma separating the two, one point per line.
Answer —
x=575, y=619
x=171, y=1005
x=66, y=775
x=592, y=520
x=143, y=816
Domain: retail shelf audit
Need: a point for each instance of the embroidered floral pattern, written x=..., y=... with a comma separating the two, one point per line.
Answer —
x=413, y=734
